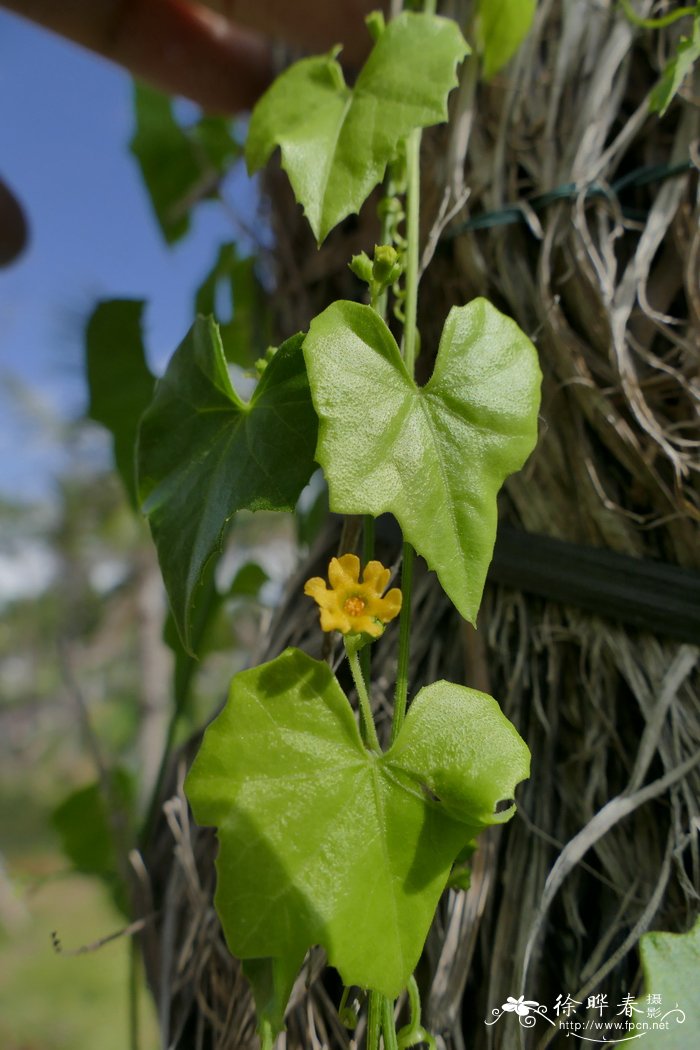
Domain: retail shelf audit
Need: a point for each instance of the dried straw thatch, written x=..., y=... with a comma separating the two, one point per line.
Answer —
x=604, y=845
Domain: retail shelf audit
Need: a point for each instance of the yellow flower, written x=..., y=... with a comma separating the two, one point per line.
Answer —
x=352, y=607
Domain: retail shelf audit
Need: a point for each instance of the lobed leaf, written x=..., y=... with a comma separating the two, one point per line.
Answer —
x=336, y=141
x=436, y=456
x=324, y=842
x=204, y=454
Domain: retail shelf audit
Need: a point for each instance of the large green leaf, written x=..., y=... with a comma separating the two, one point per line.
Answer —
x=179, y=165
x=120, y=382
x=204, y=454
x=671, y=964
x=434, y=456
x=501, y=27
x=324, y=842
x=336, y=141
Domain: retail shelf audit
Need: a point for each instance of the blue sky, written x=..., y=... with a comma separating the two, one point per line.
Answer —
x=65, y=124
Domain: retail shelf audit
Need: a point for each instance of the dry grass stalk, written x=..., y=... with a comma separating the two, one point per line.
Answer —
x=605, y=842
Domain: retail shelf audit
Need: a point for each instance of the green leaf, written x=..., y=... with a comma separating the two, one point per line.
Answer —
x=671, y=964
x=179, y=166
x=336, y=141
x=204, y=454
x=205, y=613
x=120, y=383
x=676, y=71
x=501, y=27
x=248, y=581
x=272, y=981
x=85, y=822
x=324, y=842
x=312, y=511
x=247, y=334
x=435, y=456
x=214, y=142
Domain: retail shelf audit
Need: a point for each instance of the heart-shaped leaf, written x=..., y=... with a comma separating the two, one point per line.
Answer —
x=204, y=454
x=434, y=456
x=336, y=141
x=324, y=842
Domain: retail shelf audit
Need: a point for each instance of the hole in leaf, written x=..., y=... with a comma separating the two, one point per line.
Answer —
x=504, y=804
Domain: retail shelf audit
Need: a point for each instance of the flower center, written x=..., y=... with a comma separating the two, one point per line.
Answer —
x=354, y=606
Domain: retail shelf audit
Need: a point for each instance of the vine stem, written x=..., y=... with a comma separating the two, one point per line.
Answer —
x=655, y=23
x=409, y=353
x=370, y=730
x=401, y=694
x=367, y=555
x=266, y=1039
x=388, y=1026
x=374, y=1020
x=413, y=247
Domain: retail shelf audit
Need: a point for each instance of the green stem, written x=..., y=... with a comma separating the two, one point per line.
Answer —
x=388, y=1026
x=413, y=1002
x=409, y=353
x=401, y=695
x=374, y=1020
x=369, y=729
x=266, y=1036
x=134, y=987
x=413, y=248
x=367, y=555
x=655, y=23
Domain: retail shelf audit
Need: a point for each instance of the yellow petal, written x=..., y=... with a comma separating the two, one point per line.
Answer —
x=335, y=620
x=367, y=625
x=344, y=571
x=316, y=588
x=387, y=608
x=376, y=577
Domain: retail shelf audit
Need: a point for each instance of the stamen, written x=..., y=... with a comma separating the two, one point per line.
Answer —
x=354, y=606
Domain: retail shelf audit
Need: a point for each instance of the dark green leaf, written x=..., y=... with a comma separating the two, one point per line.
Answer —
x=248, y=581
x=310, y=517
x=435, y=456
x=89, y=824
x=213, y=139
x=180, y=166
x=204, y=454
x=324, y=842
x=120, y=383
x=204, y=616
x=247, y=334
x=336, y=141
